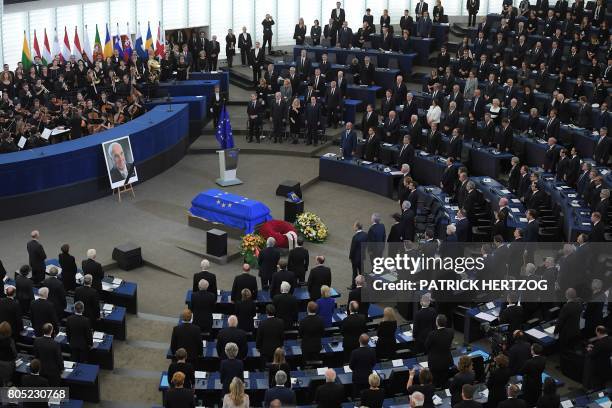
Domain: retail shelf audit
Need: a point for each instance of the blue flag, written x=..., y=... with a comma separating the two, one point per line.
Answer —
x=224, y=134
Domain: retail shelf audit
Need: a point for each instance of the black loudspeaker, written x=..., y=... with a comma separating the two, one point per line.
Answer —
x=292, y=209
x=128, y=256
x=288, y=186
x=216, y=243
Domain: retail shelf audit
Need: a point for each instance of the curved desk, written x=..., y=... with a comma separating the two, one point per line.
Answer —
x=73, y=172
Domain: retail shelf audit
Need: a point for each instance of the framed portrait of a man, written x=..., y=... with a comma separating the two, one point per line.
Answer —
x=119, y=162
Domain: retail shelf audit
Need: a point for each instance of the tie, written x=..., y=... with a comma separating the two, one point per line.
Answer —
x=549, y=122
x=317, y=82
x=302, y=61
x=333, y=89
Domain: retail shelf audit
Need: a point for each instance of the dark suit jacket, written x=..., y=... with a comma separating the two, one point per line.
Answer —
x=229, y=369
x=424, y=323
x=329, y=395
x=257, y=62
x=597, y=232
x=532, y=232
x=69, y=270
x=43, y=311
x=353, y=326
x=179, y=398
x=312, y=329
x=91, y=299
x=203, y=305
x=278, y=278
x=10, y=311
x=37, y=257
x=368, y=123
x=532, y=379
x=286, y=308
x=232, y=335
x=93, y=268
x=376, y=233
x=57, y=294
x=319, y=275
x=371, y=148
x=358, y=239
x=406, y=155
x=79, y=332
x=270, y=335
x=285, y=395
x=438, y=345
x=51, y=361
x=355, y=294
x=514, y=316
x=348, y=143
x=362, y=361
x=268, y=262
x=242, y=281
x=463, y=230
x=449, y=180
x=408, y=225
x=187, y=336
x=518, y=354
x=568, y=324
x=210, y=277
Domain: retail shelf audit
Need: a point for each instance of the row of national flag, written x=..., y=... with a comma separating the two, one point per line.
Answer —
x=121, y=42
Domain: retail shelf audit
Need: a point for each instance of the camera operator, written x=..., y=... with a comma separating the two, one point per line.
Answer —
x=499, y=374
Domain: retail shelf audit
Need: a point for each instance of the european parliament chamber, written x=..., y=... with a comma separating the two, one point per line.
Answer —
x=364, y=203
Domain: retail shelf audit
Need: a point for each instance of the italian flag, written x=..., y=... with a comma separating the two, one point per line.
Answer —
x=26, y=57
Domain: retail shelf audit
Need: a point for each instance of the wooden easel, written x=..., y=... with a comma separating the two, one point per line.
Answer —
x=124, y=189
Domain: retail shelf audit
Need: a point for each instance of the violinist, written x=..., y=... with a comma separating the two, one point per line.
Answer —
x=92, y=84
x=7, y=145
x=106, y=122
x=93, y=118
x=136, y=108
x=120, y=116
x=106, y=106
x=124, y=87
x=6, y=103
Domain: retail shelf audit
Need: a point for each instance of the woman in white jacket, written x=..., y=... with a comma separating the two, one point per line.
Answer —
x=433, y=113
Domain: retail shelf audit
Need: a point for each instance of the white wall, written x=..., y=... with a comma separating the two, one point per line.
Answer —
x=218, y=14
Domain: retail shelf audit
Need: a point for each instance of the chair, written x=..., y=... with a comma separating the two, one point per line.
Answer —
x=397, y=381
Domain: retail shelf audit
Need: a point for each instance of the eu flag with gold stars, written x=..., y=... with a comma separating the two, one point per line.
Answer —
x=224, y=134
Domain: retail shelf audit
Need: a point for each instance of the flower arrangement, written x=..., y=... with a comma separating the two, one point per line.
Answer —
x=277, y=230
x=312, y=227
x=250, y=246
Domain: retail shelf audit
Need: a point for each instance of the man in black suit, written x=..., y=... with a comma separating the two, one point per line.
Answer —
x=451, y=119
x=319, y=275
x=244, y=43
x=10, y=312
x=434, y=140
x=257, y=60
x=49, y=352
x=420, y=8
x=415, y=130
x=270, y=334
x=313, y=121
x=268, y=262
x=467, y=397
x=345, y=36
x=90, y=298
x=43, y=311
x=518, y=353
x=599, y=352
x=438, y=345
x=366, y=72
x=232, y=334
x=214, y=49
x=353, y=326
x=372, y=145
x=355, y=295
x=514, y=175
x=598, y=229
x=552, y=125
x=330, y=394
x=254, y=114
x=69, y=268
x=505, y=144
x=91, y=267
x=334, y=100
x=242, y=281
x=532, y=375
x=208, y=276
x=478, y=105
x=57, y=294
x=359, y=240
x=473, y=200
x=202, y=306
x=37, y=257
x=424, y=322
x=406, y=153
x=455, y=145
x=188, y=336
x=513, y=314
x=34, y=379
x=463, y=227
x=391, y=128
x=79, y=334
x=537, y=198
x=532, y=232
x=311, y=330
x=370, y=119
x=361, y=363
x=573, y=169
x=407, y=222
x=286, y=305
x=568, y=323
x=387, y=104
x=601, y=154
x=284, y=395
x=278, y=112
x=449, y=177
x=298, y=260
x=280, y=276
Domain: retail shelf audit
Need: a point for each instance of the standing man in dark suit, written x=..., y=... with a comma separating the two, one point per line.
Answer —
x=512, y=314
x=313, y=121
x=360, y=238
x=573, y=169
x=532, y=231
x=298, y=260
x=57, y=294
x=376, y=237
x=361, y=363
x=514, y=175
x=205, y=274
x=438, y=347
x=202, y=306
x=371, y=146
x=270, y=335
x=245, y=44
x=69, y=268
x=37, y=257
x=91, y=267
x=268, y=262
x=230, y=48
x=568, y=323
x=188, y=336
x=455, y=145
x=598, y=229
x=355, y=295
x=406, y=153
x=601, y=154
x=330, y=394
x=286, y=305
x=472, y=7
x=334, y=100
x=10, y=312
x=242, y=281
x=79, y=334
x=449, y=177
x=532, y=375
x=42, y=311
x=353, y=326
x=407, y=221
x=311, y=330
x=278, y=111
x=348, y=141
x=599, y=351
x=254, y=113
x=214, y=49
x=232, y=334
x=49, y=352
x=424, y=323
x=345, y=36
x=338, y=16
x=90, y=298
x=420, y=8
x=257, y=60
x=280, y=276
x=267, y=24
x=319, y=275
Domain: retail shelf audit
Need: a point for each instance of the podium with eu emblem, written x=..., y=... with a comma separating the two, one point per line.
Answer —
x=228, y=154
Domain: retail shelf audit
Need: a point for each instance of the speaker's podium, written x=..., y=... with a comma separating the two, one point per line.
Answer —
x=228, y=164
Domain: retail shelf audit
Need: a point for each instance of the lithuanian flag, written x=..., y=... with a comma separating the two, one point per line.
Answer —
x=26, y=57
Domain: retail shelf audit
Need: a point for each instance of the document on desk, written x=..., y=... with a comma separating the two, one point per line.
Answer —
x=515, y=210
x=329, y=155
x=321, y=370
x=516, y=201
x=550, y=330
x=523, y=219
x=436, y=400
x=98, y=335
x=505, y=191
x=396, y=173
x=347, y=369
x=107, y=307
x=424, y=364
x=217, y=316
x=536, y=333
x=68, y=364
x=200, y=374
x=398, y=362
x=485, y=316
x=490, y=305
x=567, y=404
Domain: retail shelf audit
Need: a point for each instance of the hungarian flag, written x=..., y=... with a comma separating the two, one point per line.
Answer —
x=26, y=57
x=87, y=46
x=77, y=44
x=160, y=46
x=66, y=52
x=46, y=51
x=97, y=45
x=36, y=47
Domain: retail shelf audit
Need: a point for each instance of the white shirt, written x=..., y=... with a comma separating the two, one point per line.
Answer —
x=433, y=114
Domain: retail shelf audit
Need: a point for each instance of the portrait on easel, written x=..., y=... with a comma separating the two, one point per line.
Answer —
x=119, y=162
